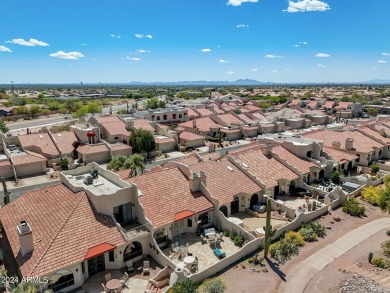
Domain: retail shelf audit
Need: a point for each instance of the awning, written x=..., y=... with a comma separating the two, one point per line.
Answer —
x=98, y=250
x=182, y=215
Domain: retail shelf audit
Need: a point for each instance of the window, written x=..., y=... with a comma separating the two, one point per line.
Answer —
x=179, y=115
x=189, y=222
x=132, y=250
x=111, y=256
x=204, y=219
x=174, y=116
x=61, y=280
x=123, y=213
x=116, y=137
x=83, y=268
x=158, y=117
x=165, y=116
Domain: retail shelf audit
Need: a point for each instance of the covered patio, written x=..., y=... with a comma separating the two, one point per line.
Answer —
x=137, y=282
x=203, y=251
x=252, y=223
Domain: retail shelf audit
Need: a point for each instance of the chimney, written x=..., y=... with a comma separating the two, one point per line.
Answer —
x=196, y=179
x=382, y=132
x=26, y=242
x=194, y=123
x=267, y=149
x=336, y=145
x=349, y=143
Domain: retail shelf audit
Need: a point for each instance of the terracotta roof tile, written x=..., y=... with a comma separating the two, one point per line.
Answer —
x=266, y=168
x=64, y=226
x=65, y=141
x=164, y=140
x=143, y=124
x=163, y=190
x=192, y=113
x=116, y=128
x=299, y=163
x=28, y=158
x=230, y=119
x=338, y=155
x=190, y=136
x=204, y=112
x=224, y=180
x=92, y=149
x=246, y=119
x=202, y=124
x=39, y=143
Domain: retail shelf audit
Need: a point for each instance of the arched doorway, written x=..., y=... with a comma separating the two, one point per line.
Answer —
x=349, y=167
x=235, y=206
x=380, y=153
x=357, y=158
x=224, y=210
x=292, y=186
x=276, y=190
x=321, y=174
x=132, y=250
x=60, y=280
x=254, y=200
x=308, y=154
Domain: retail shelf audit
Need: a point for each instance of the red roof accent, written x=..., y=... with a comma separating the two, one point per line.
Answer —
x=98, y=250
x=182, y=215
x=91, y=134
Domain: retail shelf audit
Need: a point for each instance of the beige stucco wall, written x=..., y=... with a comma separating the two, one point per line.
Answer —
x=194, y=143
x=30, y=169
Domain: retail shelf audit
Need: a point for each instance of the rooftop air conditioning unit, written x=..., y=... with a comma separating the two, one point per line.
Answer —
x=88, y=179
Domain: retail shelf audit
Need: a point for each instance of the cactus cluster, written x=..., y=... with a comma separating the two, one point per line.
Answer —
x=269, y=232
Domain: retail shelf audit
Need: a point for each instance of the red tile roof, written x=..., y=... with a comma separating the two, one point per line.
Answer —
x=192, y=113
x=5, y=163
x=166, y=193
x=204, y=112
x=230, y=119
x=190, y=136
x=64, y=225
x=108, y=119
x=143, y=124
x=246, y=119
x=164, y=140
x=343, y=105
x=183, y=215
x=92, y=149
x=202, y=124
x=338, y=155
x=39, y=143
x=217, y=110
x=29, y=158
x=116, y=128
x=361, y=142
x=329, y=104
x=65, y=141
x=190, y=159
x=299, y=163
x=98, y=250
x=374, y=134
x=224, y=180
x=266, y=168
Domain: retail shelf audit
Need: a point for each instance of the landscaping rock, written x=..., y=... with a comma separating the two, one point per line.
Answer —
x=360, y=284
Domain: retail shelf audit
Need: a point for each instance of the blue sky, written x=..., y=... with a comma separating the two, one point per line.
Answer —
x=160, y=40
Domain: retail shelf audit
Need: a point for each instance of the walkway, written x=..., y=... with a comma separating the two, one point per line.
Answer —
x=301, y=274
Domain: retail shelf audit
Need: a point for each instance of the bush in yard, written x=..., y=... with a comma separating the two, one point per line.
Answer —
x=285, y=250
x=64, y=164
x=317, y=228
x=187, y=286
x=272, y=249
x=308, y=234
x=386, y=248
x=214, y=285
x=233, y=234
x=294, y=237
x=335, y=176
x=226, y=233
x=374, y=168
x=352, y=207
x=380, y=262
x=371, y=194
x=238, y=240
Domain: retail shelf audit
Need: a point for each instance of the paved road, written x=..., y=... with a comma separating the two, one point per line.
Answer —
x=38, y=122
x=302, y=273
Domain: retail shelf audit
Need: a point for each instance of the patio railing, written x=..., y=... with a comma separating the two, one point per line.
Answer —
x=135, y=232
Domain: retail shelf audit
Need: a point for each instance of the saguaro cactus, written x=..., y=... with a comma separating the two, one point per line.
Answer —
x=269, y=232
x=6, y=192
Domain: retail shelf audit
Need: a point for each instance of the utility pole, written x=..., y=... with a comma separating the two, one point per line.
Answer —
x=81, y=84
x=12, y=86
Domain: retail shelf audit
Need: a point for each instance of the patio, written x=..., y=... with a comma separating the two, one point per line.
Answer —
x=295, y=203
x=136, y=283
x=252, y=223
x=203, y=252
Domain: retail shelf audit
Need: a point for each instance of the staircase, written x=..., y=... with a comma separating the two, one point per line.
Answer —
x=152, y=288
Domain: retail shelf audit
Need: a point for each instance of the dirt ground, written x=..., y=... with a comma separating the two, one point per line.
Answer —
x=246, y=280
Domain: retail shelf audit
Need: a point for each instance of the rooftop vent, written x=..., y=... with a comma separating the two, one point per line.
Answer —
x=245, y=165
x=41, y=136
x=88, y=179
x=230, y=169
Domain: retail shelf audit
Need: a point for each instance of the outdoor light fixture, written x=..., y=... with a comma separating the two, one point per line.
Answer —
x=77, y=270
x=120, y=252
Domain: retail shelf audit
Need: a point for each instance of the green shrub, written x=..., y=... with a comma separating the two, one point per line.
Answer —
x=317, y=228
x=64, y=164
x=285, y=250
x=308, y=234
x=238, y=240
x=294, y=237
x=272, y=249
x=374, y=168
x=226, y=233
x=214, y=285
x=187, y=286
x=386, y=248
x=233, y=234
x=250, y=260
x=335, y=176
x=380, y=262
x=352, y=207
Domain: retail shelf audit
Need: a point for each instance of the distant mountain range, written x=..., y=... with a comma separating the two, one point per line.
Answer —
x=239, y=82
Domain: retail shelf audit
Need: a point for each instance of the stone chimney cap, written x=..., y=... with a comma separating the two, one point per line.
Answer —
x=24, y=227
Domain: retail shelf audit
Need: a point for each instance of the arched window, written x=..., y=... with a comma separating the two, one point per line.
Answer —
x=380, y=153
x=60, y=280
x=158, y=117
x=116, y=137
x=165, y=116
x=174, y=116
x=153, y=117
x=132, y=250
x=181, y=116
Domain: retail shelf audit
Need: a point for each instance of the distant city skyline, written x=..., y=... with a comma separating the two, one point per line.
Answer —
x=221, y=40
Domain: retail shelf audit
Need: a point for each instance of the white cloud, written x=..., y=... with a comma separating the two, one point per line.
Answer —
x=134, y=59
x=5, y=49
x=242, y=25
x=322, y=55
x=84, y=45
x=274, y=71
x=239, y=2
x=382, y=61
x=115, y=36
x=229, y=72
x=307, y=5
x=296, y=46
x=300, y=44
x=149, y=36
x=143, y=51
x=320, y=66
x=223, y=61
x=272, y=56
x=254, y=69
x=30, y=43
x=303, y=43
x=69, y=55
x=385, y=54
x=142, y=36
x=206, y=50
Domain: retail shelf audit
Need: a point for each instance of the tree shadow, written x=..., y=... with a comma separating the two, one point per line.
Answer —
x=275, y=268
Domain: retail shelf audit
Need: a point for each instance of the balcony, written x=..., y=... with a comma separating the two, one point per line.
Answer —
x=134, y=230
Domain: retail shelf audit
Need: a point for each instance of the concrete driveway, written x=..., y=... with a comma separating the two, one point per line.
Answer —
x=302, y=273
